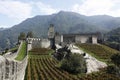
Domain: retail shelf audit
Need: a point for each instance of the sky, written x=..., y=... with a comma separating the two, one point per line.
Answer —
x=13, y=12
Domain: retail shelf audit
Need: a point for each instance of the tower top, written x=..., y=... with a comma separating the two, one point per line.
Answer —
x=51, y=31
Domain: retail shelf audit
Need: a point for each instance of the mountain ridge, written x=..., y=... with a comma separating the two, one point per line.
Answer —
x=64, y=22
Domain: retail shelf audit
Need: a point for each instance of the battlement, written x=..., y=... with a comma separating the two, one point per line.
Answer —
x=37, y=43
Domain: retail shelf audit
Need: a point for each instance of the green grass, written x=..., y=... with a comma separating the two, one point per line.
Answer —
x=22, y=53
x=13, y=49
x=101, y=52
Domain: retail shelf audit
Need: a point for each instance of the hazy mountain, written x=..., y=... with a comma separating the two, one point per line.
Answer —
x=104, y=21
x=1, y=29
x=64, y=22
x=115, y=32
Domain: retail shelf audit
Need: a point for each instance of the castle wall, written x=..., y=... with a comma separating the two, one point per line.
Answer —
x=81, y=39
x=45, y=43
x=68, y=38
x=38, y=43
x=12, y=70
x=94, y=39
x=76, y=38
x=58, y=39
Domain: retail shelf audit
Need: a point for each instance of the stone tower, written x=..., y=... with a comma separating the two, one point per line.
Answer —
x=51, y=32
x=51, y=36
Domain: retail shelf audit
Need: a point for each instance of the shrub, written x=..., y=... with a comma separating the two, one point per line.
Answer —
x=74, y=64
x=116, y=59
x=111, y=69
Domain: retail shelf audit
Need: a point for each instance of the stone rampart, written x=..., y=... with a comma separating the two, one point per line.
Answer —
x=37, y=43
x=11, y=69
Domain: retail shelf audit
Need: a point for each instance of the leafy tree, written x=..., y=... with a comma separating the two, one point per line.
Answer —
x=8, y=43
x=115, y=69
x=112, y=69
x=116, y=59
x=75, y=63
x=22, y=36
x=30, y=34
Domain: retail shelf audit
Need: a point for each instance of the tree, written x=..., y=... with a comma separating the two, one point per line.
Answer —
x=74, y=64
x=115, y=69
x=116, y=59
x=22, y=36
x=8, y=43
x=30, y=34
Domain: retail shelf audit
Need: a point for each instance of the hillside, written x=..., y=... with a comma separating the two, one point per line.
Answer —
x=113, y=35
x=44, y=67
x=101, y=52
x=64, y=22
x=113, y=39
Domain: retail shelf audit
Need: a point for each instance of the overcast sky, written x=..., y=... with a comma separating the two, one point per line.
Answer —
x=12, y=12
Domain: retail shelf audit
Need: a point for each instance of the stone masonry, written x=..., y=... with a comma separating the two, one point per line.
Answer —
x=11, y=69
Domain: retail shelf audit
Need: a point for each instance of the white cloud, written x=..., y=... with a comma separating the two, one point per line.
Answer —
x=44, y=8
x=3, y=26
x=97, y=7
x=15, y=9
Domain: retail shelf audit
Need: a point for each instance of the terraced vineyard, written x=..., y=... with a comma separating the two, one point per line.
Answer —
x=44, y=67
x=99, y=51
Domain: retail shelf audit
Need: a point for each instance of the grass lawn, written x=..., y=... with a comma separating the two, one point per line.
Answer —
x=22, y=53
x=14, y=49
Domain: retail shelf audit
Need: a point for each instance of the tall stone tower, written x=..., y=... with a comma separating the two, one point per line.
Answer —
x=51, y=32
x=51, y=36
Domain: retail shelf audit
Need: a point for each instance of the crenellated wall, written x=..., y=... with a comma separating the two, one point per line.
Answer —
x=37, y=43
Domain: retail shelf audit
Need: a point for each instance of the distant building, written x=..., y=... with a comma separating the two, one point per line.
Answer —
x=76, y=38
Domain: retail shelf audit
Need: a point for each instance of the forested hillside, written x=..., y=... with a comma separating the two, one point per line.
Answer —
x=64, y=22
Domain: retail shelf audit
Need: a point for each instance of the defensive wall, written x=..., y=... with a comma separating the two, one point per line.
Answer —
x=10, y=69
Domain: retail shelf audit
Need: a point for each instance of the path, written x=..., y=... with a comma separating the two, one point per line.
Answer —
x=92, y=63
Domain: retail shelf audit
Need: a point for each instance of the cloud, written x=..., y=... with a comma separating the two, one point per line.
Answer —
x=3, y=26
x=15, y=9
x=44, y=8
x=97, y=7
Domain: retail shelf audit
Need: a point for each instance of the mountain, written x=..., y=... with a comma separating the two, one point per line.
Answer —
x=115, y=32
x=1, y=29
x=112, y=39
x=106, y=22
x=114, y=35
x=64, y=22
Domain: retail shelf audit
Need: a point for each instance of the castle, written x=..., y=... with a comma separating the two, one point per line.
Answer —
x=72, y=38
x=56, y=38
